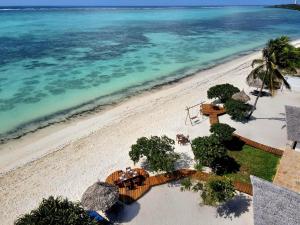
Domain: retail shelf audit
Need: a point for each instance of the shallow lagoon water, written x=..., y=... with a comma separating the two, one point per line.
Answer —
x=57, y=62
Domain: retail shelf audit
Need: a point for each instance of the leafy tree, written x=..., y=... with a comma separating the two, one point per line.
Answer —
x=208, y=149
x=237, y=109
x=222, y=91
x=57, y=211
x=217, y=190
x=222, y=131
x=276, y=57
x=159, y=152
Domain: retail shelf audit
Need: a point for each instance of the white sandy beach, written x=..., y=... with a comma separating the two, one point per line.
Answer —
x=71, y=157
x=170, y=206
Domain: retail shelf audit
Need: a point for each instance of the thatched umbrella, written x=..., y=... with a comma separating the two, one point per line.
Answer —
x=100, y=196
x=241, y=96
x=256, y=83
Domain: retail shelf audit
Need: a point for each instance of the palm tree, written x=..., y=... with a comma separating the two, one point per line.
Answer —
x=268, y=70
x=57, y=211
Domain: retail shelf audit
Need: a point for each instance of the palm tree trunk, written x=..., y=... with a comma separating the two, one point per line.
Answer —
x=259, y=94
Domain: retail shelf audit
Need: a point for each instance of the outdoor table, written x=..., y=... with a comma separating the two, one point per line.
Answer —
x=127, y=177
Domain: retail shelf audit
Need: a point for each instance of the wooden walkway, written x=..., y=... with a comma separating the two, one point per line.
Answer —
x=266, y=148
x=168, y=177
x=130, y=196
x=239, y=186
x=213, y=112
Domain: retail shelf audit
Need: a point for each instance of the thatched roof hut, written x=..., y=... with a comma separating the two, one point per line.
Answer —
x=241, y=96
x=100, y=196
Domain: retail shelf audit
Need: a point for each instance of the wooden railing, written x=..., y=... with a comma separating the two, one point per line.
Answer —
x=197, y=175
x=274, y=151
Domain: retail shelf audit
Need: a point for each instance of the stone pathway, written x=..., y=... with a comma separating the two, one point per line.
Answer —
x=288, y=173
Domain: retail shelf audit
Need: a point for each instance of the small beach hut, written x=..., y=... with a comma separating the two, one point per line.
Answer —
x=241, y=96
x=100, y=197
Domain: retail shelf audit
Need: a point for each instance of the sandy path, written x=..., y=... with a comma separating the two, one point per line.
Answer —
x=179, y=208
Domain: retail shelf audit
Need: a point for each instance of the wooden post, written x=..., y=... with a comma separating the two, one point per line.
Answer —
x=188, y=111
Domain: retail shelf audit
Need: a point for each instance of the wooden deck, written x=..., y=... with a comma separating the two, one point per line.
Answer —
x=130, y=196
x=213, y=112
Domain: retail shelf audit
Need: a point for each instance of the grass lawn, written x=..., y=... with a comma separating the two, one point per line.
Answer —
x=255, y=162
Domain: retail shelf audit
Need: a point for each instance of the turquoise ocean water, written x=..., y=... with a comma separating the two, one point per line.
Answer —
x=56, y=62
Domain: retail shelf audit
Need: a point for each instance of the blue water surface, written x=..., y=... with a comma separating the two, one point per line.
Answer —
x=58, y=62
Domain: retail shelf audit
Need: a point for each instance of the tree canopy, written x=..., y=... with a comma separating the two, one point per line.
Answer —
x=237, y=109
x=223, y=92
x=208, y=149
x=277, y=57
x=159, y=152
x=222, y=131
x=57, y=211
x=287, y=57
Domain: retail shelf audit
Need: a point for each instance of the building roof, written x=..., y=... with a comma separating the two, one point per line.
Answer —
x=293, y=123
x=273, y=204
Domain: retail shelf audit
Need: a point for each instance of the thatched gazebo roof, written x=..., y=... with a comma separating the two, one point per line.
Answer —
x=256, y=83
x=100, y=196
x=241, y=96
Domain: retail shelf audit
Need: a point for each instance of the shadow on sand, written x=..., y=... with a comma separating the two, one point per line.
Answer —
x=235, y=207
x=269, y=118
x=185, y=161
x=123, y=213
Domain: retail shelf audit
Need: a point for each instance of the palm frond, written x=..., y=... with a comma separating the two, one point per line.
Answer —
x=255, y=73
x=272, y=65
x=280, y=77
x=292, y=70
x=257, y=61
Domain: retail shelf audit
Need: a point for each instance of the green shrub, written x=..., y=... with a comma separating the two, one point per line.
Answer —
x=237, y=109
x=159, y=152
x=198, y=166
x=197, y=187
x=222, y=131
x=223, y=92
x=207, y=149
x=57, y=211
x=186, y=184
x=217, y=190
